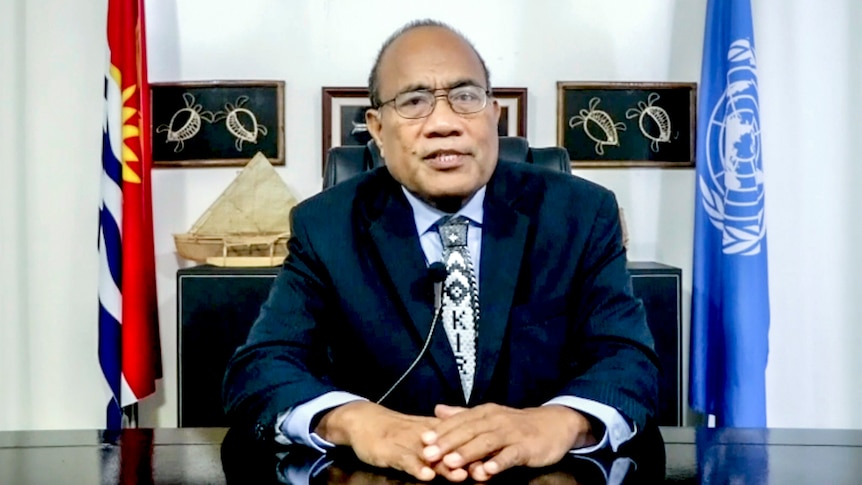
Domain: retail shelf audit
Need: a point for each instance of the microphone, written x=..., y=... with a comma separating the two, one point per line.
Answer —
x=437, y=273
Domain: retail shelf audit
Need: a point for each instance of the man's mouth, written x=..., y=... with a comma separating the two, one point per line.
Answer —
x=445, y=159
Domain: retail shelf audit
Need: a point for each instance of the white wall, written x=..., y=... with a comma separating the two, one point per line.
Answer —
x=810, y=55
x=12, y=317
x=51, y=85
x=49, y=160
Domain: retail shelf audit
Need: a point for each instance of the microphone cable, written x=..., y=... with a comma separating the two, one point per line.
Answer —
x=436, y=273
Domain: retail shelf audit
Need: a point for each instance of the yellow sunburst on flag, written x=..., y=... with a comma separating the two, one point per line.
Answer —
x=131, y=132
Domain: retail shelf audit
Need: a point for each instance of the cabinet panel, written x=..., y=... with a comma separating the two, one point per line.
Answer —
x=660, y=288
x=215, y=310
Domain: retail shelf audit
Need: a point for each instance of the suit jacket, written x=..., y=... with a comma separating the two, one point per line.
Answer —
x=353, y=303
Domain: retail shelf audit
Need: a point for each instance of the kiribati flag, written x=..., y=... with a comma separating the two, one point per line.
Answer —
x=129, y=350
x=730, y=294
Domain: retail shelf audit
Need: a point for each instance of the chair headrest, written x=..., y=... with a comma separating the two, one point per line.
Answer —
x=513, y=148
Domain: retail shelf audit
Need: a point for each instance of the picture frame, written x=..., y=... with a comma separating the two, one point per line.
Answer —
x=216, y=123
x=513, y=111
x=627, y=124
x=344, y=115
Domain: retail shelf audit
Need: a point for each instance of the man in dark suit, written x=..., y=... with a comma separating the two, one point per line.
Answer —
x=541, y=350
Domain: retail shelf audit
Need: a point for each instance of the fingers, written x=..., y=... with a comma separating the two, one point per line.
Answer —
x=443, y=411
x=412, y=444
x=466, y=426
x=477, y=448
x=477, y=472
x=453, y=417
x=453, y=475
x=499, y=438
x=413, y=465
x=432, y=451
x=508, y=457
x=478, y=443
x=388, y=439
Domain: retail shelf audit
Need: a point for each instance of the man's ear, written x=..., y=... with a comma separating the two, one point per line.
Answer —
x=375, y=128
x=497, y=111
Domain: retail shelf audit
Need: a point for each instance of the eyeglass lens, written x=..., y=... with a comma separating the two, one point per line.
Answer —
x=418, y=104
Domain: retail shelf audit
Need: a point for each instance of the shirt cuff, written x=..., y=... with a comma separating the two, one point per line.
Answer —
x=617, y=429
x=294, y=425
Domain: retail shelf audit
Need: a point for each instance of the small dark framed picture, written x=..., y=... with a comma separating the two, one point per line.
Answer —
x=627, y=124
x=344, y=118
x=513, y=111
x=216, y=123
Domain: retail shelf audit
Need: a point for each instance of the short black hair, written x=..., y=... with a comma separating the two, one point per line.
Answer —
x=374, y=81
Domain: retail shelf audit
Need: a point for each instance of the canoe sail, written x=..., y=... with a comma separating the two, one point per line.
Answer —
x=247, y=225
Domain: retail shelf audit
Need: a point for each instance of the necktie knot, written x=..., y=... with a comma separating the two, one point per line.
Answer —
x=453, y=232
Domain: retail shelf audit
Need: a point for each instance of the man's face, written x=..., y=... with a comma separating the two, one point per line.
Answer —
x=446, y=157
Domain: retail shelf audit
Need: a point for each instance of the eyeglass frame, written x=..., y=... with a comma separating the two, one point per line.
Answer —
x=487, y=92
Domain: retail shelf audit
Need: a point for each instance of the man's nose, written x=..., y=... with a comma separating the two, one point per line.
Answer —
x=443, y=120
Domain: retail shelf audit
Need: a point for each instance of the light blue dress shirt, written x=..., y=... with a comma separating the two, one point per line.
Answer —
x=294, y=426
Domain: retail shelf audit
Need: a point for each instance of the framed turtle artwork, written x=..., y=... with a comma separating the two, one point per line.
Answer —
x=627, y=124
x=216, y=123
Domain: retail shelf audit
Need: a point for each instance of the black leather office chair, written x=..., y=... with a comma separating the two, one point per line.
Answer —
x=345, y=162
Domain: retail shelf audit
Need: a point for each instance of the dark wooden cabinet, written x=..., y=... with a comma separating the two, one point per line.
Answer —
x=217, y=306
x=659, y=286
x=215, y=310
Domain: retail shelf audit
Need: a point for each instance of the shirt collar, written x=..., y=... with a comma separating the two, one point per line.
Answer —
x=426, y=216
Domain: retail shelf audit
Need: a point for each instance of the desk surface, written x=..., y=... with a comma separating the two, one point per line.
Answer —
x=197, y=455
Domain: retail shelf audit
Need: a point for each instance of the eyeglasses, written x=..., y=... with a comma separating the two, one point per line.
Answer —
x=421, y=103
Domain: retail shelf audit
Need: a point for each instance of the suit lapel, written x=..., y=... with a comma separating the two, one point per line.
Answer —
x=394, y=234
x=504, y=235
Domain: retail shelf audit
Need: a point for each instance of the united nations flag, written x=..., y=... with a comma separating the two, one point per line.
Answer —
x=730, y=295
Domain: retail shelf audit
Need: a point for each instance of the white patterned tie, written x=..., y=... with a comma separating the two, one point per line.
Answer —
x=460, y=308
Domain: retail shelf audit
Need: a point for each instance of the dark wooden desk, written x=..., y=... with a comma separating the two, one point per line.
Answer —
x=196, y=456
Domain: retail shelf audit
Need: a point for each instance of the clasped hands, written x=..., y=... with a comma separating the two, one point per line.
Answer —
x=457, y=443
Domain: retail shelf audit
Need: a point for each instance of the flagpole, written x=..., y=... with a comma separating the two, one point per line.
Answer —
x=130, y=416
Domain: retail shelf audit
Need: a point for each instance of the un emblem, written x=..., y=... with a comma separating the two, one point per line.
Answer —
x=732, y=195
